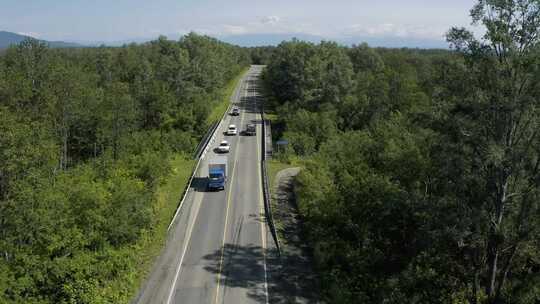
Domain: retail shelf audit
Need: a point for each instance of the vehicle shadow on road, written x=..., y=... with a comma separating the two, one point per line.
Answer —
x=199, y=184
x=217, y=151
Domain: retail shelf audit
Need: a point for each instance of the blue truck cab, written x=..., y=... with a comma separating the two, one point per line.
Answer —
x=216, y=179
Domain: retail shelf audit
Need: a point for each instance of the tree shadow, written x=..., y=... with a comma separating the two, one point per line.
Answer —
x=257, y=121
x=248, y=104
x=257, y=217
x=242, y=267
x=297, y=274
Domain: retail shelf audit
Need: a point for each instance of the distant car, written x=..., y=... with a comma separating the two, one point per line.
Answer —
x=235, y=112
x=251, y=129
x=224, y=147
x=232, y=130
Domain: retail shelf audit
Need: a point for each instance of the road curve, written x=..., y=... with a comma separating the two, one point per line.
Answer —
x=216, y=249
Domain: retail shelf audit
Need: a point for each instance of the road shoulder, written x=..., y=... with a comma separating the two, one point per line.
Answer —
x=296, y=280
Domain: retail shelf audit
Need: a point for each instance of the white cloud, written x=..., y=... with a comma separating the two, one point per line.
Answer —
x=266, y=25
x=270, y=20
x=274, y=24
x=182, y=31
x=395, y=30
x=30, y=34
x=234, y=29
x=204, y=31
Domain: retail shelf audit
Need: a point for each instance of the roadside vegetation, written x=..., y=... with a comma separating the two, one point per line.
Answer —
x=274, y=166
x=421, y=166
x=167, y=198
x=224, y=99
x=95, y=150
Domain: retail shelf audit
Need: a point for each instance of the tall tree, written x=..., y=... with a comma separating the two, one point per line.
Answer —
x=118, y=116
x=496, y=132
x=64, y=94
x=26, y=71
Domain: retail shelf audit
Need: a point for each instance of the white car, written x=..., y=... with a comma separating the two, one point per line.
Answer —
x=232, y=130
x=235, y=112
x=224, y=147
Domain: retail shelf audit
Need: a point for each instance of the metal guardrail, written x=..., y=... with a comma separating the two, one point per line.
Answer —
x=266, y=188
x=204, y=142
x=199, y=155
x=201, y=152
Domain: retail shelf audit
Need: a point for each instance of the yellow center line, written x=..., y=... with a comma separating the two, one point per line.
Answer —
x=230, y=183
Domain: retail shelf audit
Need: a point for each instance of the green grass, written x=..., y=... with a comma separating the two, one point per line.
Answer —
x=270, y=117
x=168, y=196
x=273, y=166
x=225, y=98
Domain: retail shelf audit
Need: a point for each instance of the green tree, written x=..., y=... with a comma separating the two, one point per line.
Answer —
x=118, y=115
x=286, y=76
x=64, y=98
x=26, y=71
x=328, y=76
x=495, y=131
x=365, y=59
x=26, y=148
x=86, y=135
x=129, y=210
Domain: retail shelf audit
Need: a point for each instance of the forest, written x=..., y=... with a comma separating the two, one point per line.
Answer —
x=86, y=139
x=421, y=167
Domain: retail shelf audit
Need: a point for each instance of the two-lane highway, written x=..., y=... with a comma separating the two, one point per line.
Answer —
x=217, y=245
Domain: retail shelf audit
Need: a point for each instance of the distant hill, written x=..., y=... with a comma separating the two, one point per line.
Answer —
x=249, y=40
x=396, y=42
x=8, y=38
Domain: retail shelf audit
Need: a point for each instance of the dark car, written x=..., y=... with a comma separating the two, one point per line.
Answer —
x=235, y=112
x=251, y=129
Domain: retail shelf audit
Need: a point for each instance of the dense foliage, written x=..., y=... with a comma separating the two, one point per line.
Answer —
x=421, y=182
x=261, y=54
x=85, y=139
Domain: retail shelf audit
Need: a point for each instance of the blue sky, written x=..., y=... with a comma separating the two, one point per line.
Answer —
x=113, y=20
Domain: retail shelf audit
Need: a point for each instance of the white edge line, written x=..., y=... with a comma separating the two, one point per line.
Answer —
x=178, y=269
x=261, y=205
x=208, y=144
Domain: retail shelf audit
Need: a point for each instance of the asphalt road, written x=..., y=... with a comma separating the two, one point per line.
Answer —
x=216, y=250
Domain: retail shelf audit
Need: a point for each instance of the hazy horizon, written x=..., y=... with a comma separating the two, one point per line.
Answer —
x=389, y=22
